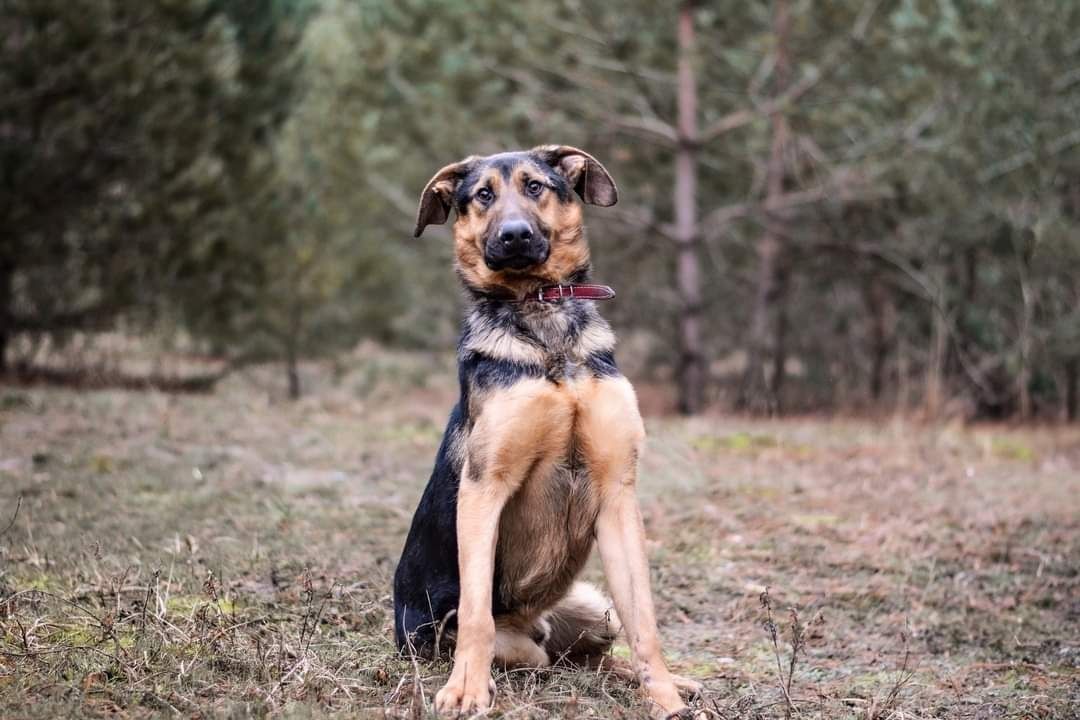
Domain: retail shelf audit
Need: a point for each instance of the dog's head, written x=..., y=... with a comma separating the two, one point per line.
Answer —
x=519, y=224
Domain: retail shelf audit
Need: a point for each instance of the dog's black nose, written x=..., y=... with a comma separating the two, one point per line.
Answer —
x=515, y=236
x=516, y=244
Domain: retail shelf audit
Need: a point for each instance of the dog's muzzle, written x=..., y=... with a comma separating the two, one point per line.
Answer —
x=516, y=245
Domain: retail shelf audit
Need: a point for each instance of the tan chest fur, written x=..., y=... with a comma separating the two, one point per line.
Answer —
x=545, y=536
x=553, y=434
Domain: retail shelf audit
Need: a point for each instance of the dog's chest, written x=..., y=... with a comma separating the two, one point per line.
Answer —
x=545, y=535
x=546, y=530
x=560, y=345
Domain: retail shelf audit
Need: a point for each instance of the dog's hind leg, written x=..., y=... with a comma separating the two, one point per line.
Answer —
x=583, y=626
x=517, y=644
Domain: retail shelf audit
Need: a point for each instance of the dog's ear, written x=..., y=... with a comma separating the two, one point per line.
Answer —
x=585, y=174
x=438, y=195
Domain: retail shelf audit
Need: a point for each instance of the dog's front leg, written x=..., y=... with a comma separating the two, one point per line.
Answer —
x=480, y=503
x=621, y=540
x=517, y=429
x=613, y=436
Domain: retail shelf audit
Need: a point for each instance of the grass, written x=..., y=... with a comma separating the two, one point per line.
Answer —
x=230, y=555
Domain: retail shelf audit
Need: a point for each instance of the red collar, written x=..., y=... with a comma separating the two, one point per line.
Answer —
x=558, y=293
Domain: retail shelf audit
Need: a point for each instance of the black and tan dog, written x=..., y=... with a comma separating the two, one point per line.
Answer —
x=540, y=455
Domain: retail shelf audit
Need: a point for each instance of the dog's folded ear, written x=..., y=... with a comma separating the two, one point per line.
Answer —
x=590, y=180
x=438, y=195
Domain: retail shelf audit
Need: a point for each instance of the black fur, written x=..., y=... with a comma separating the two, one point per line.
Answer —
x=505, y=163
x=426, y=584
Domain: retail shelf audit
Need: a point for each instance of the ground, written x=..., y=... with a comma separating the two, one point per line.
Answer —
x=230, y=555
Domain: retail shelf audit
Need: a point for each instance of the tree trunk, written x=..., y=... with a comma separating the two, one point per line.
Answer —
x=7, y=274
x=756, y=393
x=971, y=274
x=691, y=379
x=768, y=322
x=882, y=309
x=1024, y=244
x=292, y=371
x=779, y=345
x=903, y=378
x=1023, y=375
x=1072, y=387
x=939, y=346
x=292, y=352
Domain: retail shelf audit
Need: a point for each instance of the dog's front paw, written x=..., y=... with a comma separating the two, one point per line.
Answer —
x=465, y=695
x=687, y=687
x=664, y=700
x=688, y=714
x=667, y=697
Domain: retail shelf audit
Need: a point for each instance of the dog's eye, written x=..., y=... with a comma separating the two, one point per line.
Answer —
x=484, y=195
x=534, y=187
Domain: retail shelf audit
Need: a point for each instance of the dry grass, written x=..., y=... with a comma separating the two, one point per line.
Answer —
x=230, y=555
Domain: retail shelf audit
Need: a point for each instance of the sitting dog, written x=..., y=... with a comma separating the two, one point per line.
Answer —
x=540, y=454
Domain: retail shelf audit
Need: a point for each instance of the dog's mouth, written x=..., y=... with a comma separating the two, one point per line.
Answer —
x=498, y=257
x=517, y=263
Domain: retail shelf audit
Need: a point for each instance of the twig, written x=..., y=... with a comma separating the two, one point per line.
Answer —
x=14, y=515
x=879, y=711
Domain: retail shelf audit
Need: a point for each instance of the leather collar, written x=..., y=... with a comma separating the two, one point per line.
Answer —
x=573, y=291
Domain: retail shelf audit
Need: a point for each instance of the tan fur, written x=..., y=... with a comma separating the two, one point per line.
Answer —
x=516, y=643
x=545, y=531
x=612, y=437
x=598, y=337
x=611, y=434
x=583, y=624
x=478, y=511
x=545, y=536
x=569, y=251
x=496, y=343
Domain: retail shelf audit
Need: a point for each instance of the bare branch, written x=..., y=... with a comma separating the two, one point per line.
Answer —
x=592, y=86
x=396, y=197
x=652, y=128
x=14, y=515
x=732, y=121
x=618, y=66
x=845, y=183
x=642, y=219
x=646, y=125
x=830, y=62
x=1025, y=157
x=1066, y=80
x=739, y=118
x=571, y=29
x=636, y=75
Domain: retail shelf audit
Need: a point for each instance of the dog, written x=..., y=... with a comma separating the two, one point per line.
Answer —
x=540, y=455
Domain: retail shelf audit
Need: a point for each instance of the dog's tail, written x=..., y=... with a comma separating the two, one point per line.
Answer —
x=582, y=626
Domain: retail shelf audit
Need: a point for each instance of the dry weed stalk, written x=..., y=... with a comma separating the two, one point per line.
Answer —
x=797, y=636
x=14, y=517
x=882, y=709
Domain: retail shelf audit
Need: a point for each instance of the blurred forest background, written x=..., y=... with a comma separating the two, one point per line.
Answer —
x=840, y=205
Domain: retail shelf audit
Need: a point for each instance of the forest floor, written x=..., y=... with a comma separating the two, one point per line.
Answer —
x=230, y=555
